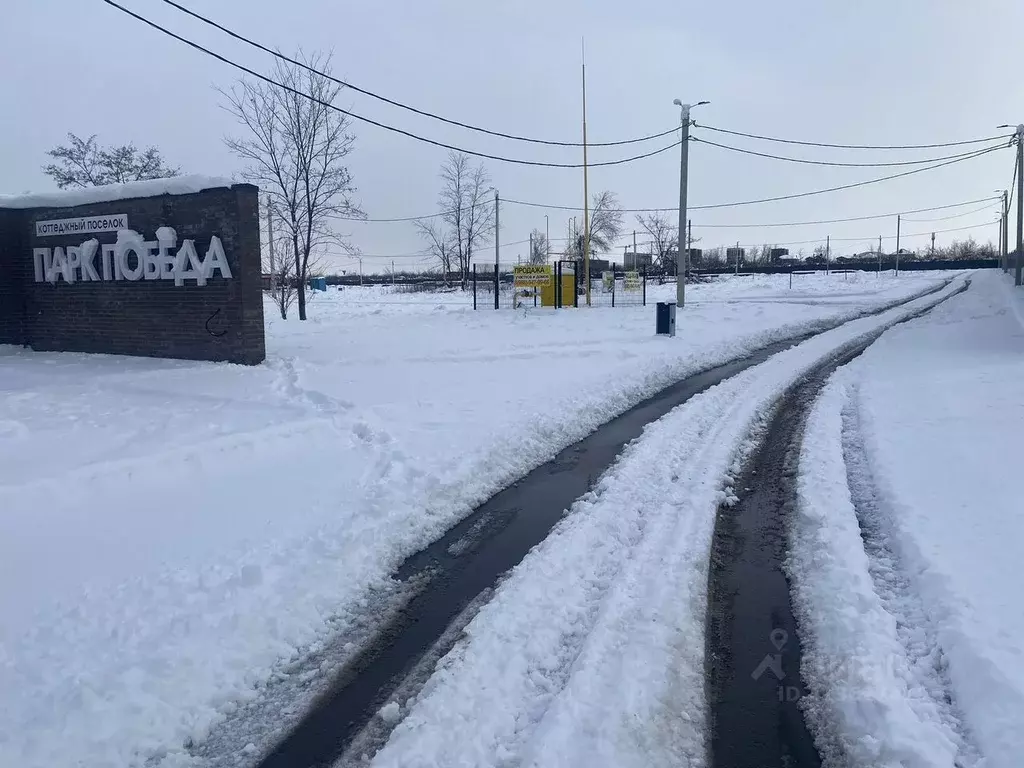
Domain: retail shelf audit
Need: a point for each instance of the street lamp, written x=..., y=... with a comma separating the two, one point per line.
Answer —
x=682, y=256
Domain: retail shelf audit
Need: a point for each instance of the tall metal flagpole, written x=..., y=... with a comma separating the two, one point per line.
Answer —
x=586, y=192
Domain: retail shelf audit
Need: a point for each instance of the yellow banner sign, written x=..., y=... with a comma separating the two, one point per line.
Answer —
x=531, y=275
x=632, y=282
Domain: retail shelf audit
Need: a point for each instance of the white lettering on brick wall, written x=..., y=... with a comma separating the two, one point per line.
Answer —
x=132, y=258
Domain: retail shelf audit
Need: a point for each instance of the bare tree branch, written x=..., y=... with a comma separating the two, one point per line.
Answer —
x=295, y=148
x=663, y=236
x=605, y=226
x=83, y=163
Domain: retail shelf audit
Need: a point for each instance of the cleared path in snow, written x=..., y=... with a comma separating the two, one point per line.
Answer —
x=753, y=648
x=469, y=559
x=466, y=562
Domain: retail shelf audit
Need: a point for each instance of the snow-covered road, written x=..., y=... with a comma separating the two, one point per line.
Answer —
x=174, y=533
x=592, y=651
x=907, y=551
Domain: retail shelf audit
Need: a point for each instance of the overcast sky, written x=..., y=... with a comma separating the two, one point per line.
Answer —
x=869, y=72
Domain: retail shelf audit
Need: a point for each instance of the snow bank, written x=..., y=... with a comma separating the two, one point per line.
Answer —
x=917, y=631
x=173, y=532
x=592, y=650
x=176, y=185
x=867, y=707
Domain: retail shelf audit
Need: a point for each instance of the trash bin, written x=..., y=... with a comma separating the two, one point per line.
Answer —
x=666, y=318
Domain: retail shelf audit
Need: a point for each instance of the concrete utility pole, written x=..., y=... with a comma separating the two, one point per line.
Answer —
x=684, y=147
x=529, y=259
x=999, y=242
x=898, y=217
x=828, y=253
x=933, y=245
x=1017, y=260
x=879, y=254
x=684, y=156
x=1018, y=257
x=270, y=238
x=497, y=247
x=1005, y=238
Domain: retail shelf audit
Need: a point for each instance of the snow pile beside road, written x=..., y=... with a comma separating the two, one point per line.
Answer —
x=867, y=706
x=591, y=652
x=907, y=553
x=174, y=532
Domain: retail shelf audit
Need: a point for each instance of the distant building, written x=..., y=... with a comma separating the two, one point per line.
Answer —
x=634, y=261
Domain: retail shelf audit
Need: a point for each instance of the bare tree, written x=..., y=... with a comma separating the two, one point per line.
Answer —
x=283, y=276
x=760, y=255
x=663, y=235
x=84, y=163
x=714, y=257
x=467, y=217
x=439, y=245
x=605, y=226
x=539, y=248
x=296, y=148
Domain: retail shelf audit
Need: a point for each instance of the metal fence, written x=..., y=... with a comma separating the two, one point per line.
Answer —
x=564, y=288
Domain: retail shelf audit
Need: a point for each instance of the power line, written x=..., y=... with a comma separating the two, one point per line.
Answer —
x=407, y=107
x=956, y=215
x=1013, y=187
x=420, y=255
x=854, y=218
x=409, y=218
x=875, y=237
x=852, y=146
x=977, y=154
x=841, y=187
x=386, y=127
x=768, y=225
x=830, y=163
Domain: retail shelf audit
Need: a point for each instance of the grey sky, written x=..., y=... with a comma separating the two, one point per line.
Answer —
x=877, y=71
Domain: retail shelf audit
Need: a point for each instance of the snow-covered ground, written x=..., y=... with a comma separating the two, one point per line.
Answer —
x=907, y=551
x=592, y=651
x=172, y=532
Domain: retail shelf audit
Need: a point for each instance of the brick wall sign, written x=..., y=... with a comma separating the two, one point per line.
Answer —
x=167, y=269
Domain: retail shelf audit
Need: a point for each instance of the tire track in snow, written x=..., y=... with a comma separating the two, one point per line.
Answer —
x=872, y=703
x=291, y=386
x=591, y=651
x=925, y=672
